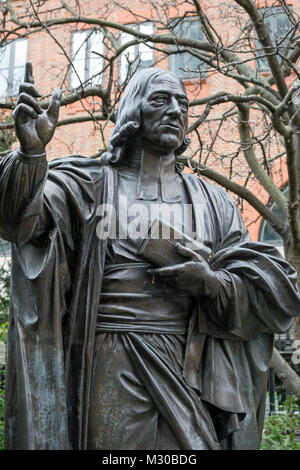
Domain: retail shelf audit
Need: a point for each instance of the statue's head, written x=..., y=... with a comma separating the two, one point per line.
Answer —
x=153, y=109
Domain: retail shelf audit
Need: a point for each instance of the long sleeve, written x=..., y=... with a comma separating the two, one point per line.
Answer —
x=259, y=291
x=56, y=279
x=22, y=181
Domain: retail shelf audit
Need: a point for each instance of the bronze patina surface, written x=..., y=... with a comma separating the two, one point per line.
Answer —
x=106, y=349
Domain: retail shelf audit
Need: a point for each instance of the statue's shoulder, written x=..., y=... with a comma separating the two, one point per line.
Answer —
x=79, y=166
x=208, y=187
x=214, y=194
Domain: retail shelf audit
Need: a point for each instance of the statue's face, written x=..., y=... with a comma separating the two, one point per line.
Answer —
x=164, y=111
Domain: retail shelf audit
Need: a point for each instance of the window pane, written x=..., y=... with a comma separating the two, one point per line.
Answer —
x=278, y=25
x=146, y=53
x=3, y=82
x=18, y=78
x=141, y=55
x=5, y=56
x=96, y=66
x=185, y=61
x=283, y=24
x=78, y=77
x=13, y=58
x=283, y=28
x=130, y=52
x=144, y=48
x=78, y=55
x=129, y=55
x=195, y=30
x=178, y=62
x=96, y=43
x=79, y=40
x=95, y=60
x=20, y=53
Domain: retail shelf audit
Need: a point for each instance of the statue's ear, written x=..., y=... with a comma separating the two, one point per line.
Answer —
x=186, y=142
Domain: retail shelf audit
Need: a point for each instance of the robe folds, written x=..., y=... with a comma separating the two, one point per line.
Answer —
x=50, y=216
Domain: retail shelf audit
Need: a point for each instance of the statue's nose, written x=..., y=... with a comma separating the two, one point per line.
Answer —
x=174, y=109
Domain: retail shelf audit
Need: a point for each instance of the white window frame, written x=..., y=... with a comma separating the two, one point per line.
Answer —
x=139, y=52
x=13, y=57
x=84, y=64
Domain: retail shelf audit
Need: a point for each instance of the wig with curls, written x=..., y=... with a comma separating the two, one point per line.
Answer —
x=129, y=116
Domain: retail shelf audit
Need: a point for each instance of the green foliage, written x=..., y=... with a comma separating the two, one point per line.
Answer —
x=280, y=427
x=3, y=331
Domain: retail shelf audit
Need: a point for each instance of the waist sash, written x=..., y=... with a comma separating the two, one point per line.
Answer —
x=134, y=300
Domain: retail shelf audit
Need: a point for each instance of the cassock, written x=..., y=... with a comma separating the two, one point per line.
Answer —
x=165, y=372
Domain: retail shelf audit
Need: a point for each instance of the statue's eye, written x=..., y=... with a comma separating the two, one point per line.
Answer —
x=159, y=99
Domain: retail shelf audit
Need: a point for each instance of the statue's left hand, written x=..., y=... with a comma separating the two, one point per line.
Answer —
x=194, y=277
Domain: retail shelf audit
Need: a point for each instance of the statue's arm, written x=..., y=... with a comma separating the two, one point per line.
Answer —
x=21, y=196
x=259, y=291
x=23, y=173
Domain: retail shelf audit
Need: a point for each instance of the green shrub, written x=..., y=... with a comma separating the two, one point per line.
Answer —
x=280, y=427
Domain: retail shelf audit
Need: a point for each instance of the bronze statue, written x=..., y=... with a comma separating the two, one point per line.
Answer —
x=107, y=350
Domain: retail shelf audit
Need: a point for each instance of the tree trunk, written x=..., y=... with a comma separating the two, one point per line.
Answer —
x=285, y=373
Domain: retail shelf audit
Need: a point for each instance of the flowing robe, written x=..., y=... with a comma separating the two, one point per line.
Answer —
x=50, y=216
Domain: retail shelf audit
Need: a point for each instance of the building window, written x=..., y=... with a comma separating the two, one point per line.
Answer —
x=138, y=56
x=87, y=58
x=278, y=25
x=13, y=57
x=266, y=233
x=184, y=64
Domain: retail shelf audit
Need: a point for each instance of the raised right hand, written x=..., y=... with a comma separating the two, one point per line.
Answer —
x=34, y=126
